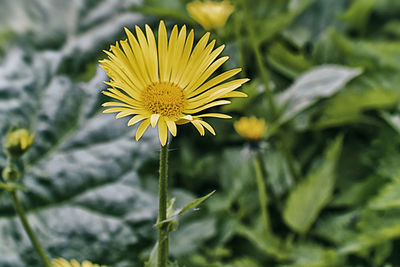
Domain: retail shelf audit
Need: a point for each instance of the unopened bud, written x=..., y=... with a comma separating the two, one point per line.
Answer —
x=18, y=142
x=10, y=174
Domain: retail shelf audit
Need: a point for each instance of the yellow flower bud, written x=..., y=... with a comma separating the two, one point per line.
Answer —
x=251, y=128
x=210, y=15
x=18, y=142
x=60, y=262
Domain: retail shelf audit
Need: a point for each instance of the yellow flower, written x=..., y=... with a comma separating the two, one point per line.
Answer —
x=166, y=82
x=251, y=128
x=18, y=142
x=210, y=14
x=60, y=262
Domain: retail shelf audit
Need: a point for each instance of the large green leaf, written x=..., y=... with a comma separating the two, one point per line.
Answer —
x=318, y=83
x=313, y=193
x=368, y=92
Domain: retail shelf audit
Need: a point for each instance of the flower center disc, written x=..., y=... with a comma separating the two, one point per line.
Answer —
x=164, y=98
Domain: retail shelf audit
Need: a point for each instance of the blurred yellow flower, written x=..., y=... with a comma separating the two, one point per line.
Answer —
x=251, y=128
x=166, y=82
x=210, y=14
x=18, y=141
x=60, y=262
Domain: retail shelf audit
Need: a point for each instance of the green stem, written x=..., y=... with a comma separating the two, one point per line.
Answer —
x=162, y=260
x=35, y=242
x=239, y=38
x=255, y=45
x=262, y=194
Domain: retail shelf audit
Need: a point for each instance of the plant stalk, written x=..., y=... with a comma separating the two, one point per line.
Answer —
x=262, y=193
x=162, y=258
x=35, y=242
x=255, y=46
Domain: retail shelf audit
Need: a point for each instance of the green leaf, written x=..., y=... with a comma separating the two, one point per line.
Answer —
x=311, y=195
x=388, y=197
x=374, y=228
x=318, y=83
x=359, y=193
x=337, y=228
x=195, y=203
x=268, y=243
x=187, y=207
x=306, y=254
x=392, y=120
x=317, y=17
x=287, y=62
x=368, y=92
x=370, y=54
x=358, y=14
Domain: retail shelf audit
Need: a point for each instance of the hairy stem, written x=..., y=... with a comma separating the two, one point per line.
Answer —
x=35, y=242
x=262, y=193
x=162, y=260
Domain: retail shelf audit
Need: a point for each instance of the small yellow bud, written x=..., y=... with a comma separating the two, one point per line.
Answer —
x=60, y=262
x=251, y=128
x=18, y=142
x=210, y=15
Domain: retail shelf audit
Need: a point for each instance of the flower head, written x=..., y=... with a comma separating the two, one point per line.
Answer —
x=251, y=128
x=166, y=82
x=210, y=14
x=18, y=142
x=60, y=262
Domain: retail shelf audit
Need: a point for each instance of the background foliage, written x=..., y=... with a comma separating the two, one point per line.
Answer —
x=330, y=156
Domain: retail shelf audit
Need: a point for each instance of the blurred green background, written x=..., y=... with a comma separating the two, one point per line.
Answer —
x=331, y=156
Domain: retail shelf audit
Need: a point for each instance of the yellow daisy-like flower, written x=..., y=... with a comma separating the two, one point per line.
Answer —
x=210, y=14
x=166, y=82
x=60, y=262
x=251, y=128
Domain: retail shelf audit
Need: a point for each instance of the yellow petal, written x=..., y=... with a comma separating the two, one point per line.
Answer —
x=152, y=54
x=212, y=104
x=204, y=64
x=216, y=80
x=171, y=51
x=142, y=128
x=162, y=51
x=176, y=65
x=214, y=115
x=125, y=113
x=136, y=119
x=207, y=126
x=236, y=94
x=162, y=131
x=74, y=263
x=185, y=58
x=139, y=55
x=154, y=119
x=198, y=126
x=195, y=57
x=171, y=126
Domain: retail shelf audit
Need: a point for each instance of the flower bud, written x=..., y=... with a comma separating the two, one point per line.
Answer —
x=60, y=262
x=210, y=15
x=251, y=128
x=10, y=174
x=18, y=142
